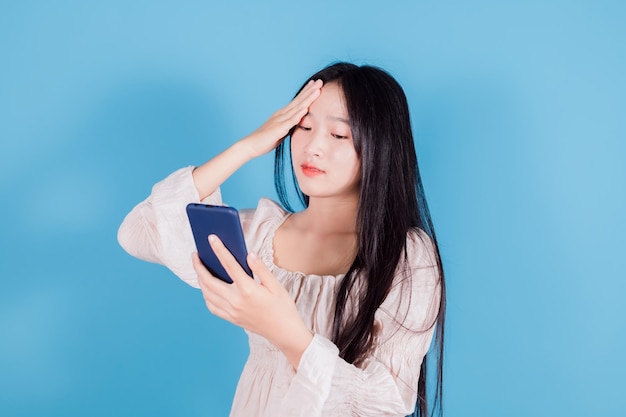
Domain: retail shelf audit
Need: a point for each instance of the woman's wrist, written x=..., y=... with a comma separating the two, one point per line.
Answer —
x=296, y=346
x=210, y=175
x=247, y=147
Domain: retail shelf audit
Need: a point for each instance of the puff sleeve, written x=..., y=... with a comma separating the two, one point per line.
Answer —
x=157, y=229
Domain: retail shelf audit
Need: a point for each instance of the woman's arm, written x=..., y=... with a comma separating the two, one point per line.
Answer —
x=262, y=306
x=209, y=176
x=324, y=383
x=157, y=230
x=386, y=383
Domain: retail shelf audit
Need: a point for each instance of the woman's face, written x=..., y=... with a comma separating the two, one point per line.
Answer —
x=322, y=150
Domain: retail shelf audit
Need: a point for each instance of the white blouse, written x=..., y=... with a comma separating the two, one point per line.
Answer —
x=157, y=230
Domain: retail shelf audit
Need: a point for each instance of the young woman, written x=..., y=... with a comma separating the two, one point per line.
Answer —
x=347, y=292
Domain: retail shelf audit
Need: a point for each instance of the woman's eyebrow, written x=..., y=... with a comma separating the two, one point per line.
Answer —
x=340, y=119
x=334, y=118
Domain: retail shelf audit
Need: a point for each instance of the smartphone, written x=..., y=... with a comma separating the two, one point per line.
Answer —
x=223, y=222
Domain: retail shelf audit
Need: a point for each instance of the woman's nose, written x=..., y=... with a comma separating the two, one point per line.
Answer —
x=315, y=145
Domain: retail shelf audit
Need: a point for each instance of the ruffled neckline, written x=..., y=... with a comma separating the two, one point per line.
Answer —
x=268, y=254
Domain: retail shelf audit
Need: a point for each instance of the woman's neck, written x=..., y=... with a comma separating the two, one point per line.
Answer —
x=329, y=215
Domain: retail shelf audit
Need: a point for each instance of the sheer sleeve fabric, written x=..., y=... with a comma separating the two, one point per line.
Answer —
x=157, y=229
x=386, y=383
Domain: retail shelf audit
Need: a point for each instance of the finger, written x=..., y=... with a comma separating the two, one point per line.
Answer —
x=206, y=280
x=298, y=98
x=216, y=311
x=296, y=112
x=310, y=88
x=215, y=306
x=309, y=94
x=297, y=108
x=304, y=99
x=228, y=261
x=260, y=270
x=214, y=291
x=199, y=267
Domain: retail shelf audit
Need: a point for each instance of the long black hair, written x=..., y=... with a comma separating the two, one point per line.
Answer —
x=391, y=204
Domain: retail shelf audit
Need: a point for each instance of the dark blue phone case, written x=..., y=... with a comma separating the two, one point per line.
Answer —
x=224, y=222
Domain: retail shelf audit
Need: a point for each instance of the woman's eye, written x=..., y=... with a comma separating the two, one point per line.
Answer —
x=339, y=136
x=305, y=128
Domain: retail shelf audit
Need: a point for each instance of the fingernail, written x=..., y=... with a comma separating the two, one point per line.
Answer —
x=212, y=238
x=253, y=256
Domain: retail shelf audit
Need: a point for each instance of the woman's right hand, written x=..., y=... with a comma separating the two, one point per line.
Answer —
x=269, y=135
x=210, y=175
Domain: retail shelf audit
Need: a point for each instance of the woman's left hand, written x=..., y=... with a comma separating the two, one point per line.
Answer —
x=263, y=307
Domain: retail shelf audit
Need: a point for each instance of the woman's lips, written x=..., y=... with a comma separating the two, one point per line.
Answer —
x=311, y=170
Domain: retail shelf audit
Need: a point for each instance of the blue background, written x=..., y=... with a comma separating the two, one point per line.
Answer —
x=518, y=111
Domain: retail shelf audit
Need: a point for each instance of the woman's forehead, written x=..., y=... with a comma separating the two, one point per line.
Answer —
x=330, y=105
